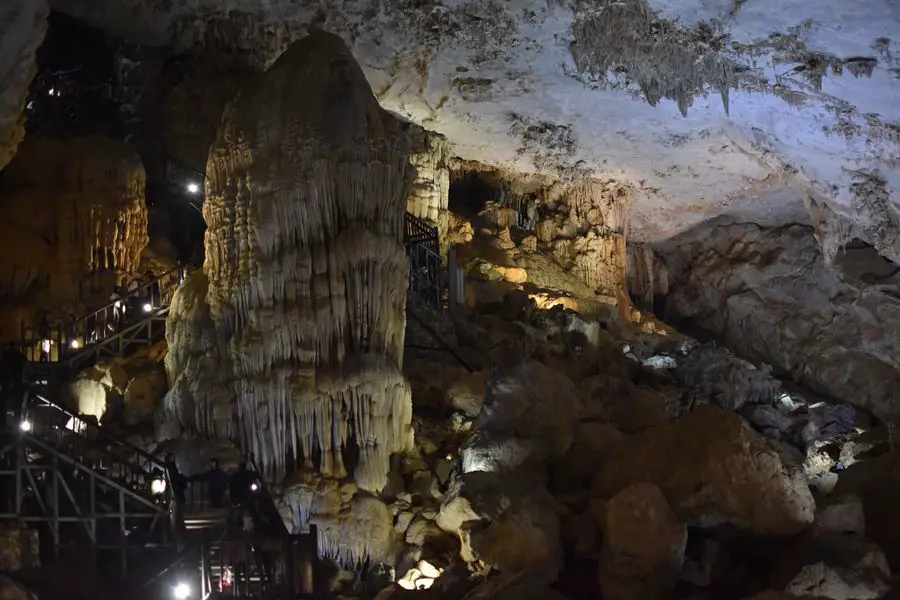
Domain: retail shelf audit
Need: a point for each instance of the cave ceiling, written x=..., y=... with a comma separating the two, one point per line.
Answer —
x=770, y=110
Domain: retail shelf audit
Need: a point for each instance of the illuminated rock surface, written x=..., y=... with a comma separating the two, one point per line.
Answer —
x=73, y=223
x=790, y=110
x=291, y=337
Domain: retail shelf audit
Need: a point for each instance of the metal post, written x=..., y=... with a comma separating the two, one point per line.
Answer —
x=123, y=534
x=92, y=508
x=20, y=465
x=203, y=590
x=54, y=499
x=456, y=281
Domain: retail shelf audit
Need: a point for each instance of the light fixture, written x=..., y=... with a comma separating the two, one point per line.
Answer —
x=25, y=426
x=158, y=486
x=254, y=487
x=148, y=307
x=193, y=188
x=74, y=344
x=181, y=591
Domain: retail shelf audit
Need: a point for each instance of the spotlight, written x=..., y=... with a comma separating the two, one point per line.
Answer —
x=74, y=344
x=181, y=591
x=193, y=188
x=254, y=486
x=148, y=307
x=158, y=486
x=25, y=426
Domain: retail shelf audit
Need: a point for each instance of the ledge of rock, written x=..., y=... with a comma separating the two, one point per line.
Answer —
x=713, y=469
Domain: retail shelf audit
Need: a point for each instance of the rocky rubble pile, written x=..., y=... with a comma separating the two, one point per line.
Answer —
x=589, y=460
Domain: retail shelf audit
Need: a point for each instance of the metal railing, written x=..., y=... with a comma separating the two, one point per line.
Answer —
x=87, y=443
x=422, y=245
x=62, y=340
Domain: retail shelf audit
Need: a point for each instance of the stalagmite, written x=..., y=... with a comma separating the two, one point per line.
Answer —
x=305, y=274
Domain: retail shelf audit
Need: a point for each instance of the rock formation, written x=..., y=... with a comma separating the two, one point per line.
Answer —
x=430, y=191
x=23, y=24
x=768, y=294
x=292, y=336
x=73, y=223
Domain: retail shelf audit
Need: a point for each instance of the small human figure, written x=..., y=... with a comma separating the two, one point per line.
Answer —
x=176, y=479
x=217, y=483
x=241, y=485
x=72, y=332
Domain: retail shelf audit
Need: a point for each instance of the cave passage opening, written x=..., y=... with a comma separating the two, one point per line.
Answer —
x=470, y=192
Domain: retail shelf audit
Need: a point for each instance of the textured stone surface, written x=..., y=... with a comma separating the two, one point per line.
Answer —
x=73, y=223
x=713, y=469
x=778, y=110
x=19, y=550
x=23, y=24
x=769, y=295
x=643, y=545
x=292, y=336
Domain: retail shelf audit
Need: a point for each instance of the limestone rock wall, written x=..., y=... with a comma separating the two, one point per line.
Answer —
x=430, y=193
x=584, y=227
x=768, y=293
x=73, y=222
x=306, y=188
x=23, y=24
x=648, y=276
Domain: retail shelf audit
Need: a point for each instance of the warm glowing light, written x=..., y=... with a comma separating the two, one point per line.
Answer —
x=148, y=307
x=25, y=426
x=193, y=188
x=181, y=591
x=158, y=486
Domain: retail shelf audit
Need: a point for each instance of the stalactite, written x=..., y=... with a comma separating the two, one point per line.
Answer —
x=72, y=214
x=647, y=275
x=307, y=185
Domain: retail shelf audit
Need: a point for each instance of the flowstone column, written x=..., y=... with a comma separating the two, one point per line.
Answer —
x=306, y=189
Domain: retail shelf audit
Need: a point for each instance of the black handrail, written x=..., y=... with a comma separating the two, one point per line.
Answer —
x=104, y=323
x=422, y=245
x=85, y=442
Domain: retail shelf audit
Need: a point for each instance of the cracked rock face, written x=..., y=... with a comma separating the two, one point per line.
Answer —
x=23, y=24
x=292, y=336
x=769, y=295
x=748, y=108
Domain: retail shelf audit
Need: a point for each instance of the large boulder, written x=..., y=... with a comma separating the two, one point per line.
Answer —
x=467, y=394
x=643, y=545
x=508, y=521
x=592, y=443
x=532, y=401
x=832, y=566
x=713, y=469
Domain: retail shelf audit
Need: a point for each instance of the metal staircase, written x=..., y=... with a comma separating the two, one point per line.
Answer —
x=69, y=479
x=59, y=351
x=426, y=276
